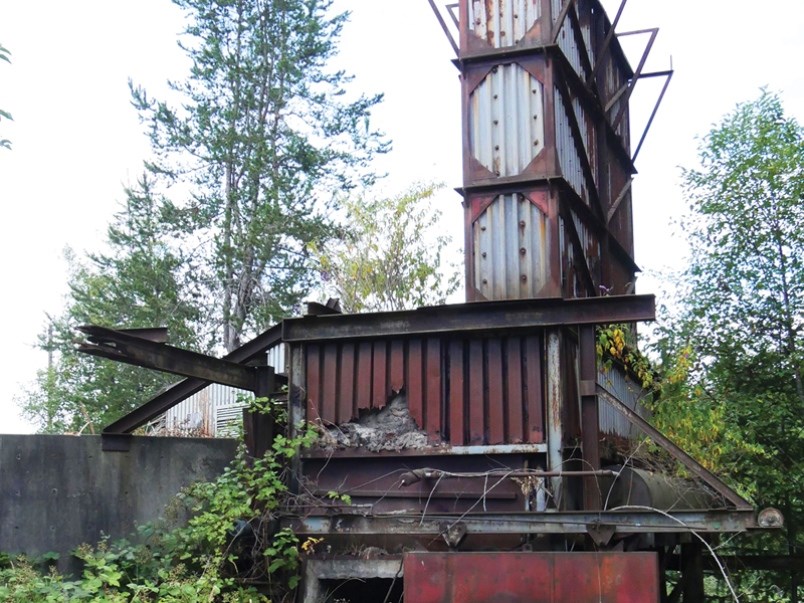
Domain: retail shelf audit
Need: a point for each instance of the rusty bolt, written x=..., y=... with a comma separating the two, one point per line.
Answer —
x=534, y=91
x=496, y=147
x=522, y=223
x=496, y=121
x=482, y=255
x=495, y=96
x=482, y=228
x=523, y=278
x=535, y=117
x=522, y=251
x=536, y=143
x=485, y=281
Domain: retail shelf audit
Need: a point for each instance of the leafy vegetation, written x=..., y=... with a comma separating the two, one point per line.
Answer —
x=733, y=354
x=250, y=156
x=229, y=549
x=389, y=256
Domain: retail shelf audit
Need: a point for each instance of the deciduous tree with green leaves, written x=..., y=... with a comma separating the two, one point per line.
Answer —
x=391, y=255
x=737, y=346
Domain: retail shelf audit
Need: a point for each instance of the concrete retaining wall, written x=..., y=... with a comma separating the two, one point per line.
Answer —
x=57, y=492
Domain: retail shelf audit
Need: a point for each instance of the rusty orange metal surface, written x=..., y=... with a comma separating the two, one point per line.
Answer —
x=531, y=577
x=462, y=391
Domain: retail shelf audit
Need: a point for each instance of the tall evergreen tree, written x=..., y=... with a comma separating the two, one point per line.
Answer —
x=263, y=141
x=258, y=142
x=132, y=285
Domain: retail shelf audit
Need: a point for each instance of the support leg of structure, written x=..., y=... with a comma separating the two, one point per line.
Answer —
x=692, y=572
x=258, y=427
x=555, y=431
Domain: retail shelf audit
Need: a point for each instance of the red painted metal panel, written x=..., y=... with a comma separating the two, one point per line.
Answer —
x=432, y=411
x=515, y=426
x=397, y=368
x=534, y=395
x=477, y=424
x=329, y=384
x=456, y=394
x=496, y=398
x=414, y=383
x=314, y=410
x=379, y=391
x=531, y=577
x=363, y=376
x=346, y=385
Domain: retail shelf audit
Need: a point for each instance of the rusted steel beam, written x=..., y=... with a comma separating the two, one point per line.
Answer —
x=513, y=315
x=590, y=421
x=690, y=463
x=623, y=522
x=122, y=347
x=155, y=334
x=185, y=388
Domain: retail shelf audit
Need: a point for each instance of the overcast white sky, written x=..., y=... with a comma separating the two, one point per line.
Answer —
x=77, y=141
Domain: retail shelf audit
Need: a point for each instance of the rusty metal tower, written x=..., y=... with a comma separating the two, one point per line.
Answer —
x=547, y=160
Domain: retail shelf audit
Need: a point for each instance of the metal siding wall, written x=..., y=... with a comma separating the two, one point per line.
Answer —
x=590, y=244
x=568, y=45
x=500, y=260
x=461, y=391
x=199, y=413
x=614, y=380
x=568, y=154
x=506, y=120
x=503, y=22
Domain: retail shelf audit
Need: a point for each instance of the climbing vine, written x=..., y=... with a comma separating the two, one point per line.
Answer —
x=615, y=342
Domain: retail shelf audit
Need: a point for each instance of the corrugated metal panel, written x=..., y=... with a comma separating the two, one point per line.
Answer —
x=506, y=120
x=590, y=244
x=569, y=46
x=276, y=357
x=587, y=17
x=479, y=391
x=508, y=266
x=197, y=415
x=587, y=129
x=600, y=577
x=568, y=154
x=228, y=420
x=503, y=22
x=614, y=380
x=556, y=7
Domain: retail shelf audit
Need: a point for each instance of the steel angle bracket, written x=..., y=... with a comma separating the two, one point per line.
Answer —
x=447, y=9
